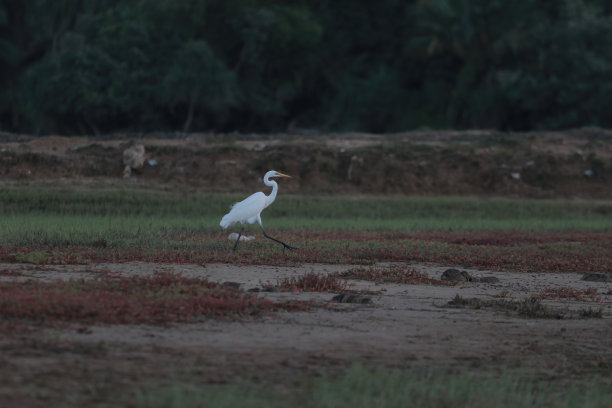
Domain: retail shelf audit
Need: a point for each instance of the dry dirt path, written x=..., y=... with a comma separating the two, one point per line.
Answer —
x=405, y=326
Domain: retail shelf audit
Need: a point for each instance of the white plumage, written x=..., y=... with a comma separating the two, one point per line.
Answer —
x=249, y=210
x=245, y=211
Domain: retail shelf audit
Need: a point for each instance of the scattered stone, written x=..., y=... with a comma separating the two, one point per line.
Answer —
x=234, y=236
x=152, y=162
x=235, y=285
x=596, y=277
x=455, y=275
x=265, y=289
x=351, y=298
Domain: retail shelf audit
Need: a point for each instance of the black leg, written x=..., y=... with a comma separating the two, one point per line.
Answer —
x=274, y=239
x=238, y=239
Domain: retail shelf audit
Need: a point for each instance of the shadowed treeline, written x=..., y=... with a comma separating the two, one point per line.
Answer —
x=96, y=66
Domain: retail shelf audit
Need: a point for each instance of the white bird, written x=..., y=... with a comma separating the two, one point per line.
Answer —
x=249, y=210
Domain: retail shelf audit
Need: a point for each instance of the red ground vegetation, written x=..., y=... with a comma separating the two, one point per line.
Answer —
x=111, y=299
x=513, y=251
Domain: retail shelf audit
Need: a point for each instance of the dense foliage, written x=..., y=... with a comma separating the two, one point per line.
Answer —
x=93, y=66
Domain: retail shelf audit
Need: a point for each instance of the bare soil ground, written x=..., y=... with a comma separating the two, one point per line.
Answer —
x=405, y=326
x=575, y=163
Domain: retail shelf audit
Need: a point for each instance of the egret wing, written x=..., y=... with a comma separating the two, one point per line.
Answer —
x=245, y=210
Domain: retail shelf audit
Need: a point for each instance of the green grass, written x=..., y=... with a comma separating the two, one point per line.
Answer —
x=363, y=387
x=153, y=226
x=91, y=213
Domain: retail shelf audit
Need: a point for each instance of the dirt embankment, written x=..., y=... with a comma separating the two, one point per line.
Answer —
x=547, y=164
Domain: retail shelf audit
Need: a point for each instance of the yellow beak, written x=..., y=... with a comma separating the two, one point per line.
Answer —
x=282, y=175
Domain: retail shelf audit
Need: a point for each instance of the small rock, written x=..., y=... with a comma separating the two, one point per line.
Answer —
x=152, y=162
x=264, y=289
x=235, y=285
x=516, y=175
x=351, y=298
x=455, y=275
x=596, y=277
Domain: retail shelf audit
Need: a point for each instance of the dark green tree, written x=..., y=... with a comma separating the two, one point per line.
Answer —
x=198, y=80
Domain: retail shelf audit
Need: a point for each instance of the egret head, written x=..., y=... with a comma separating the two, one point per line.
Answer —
x=274, y=173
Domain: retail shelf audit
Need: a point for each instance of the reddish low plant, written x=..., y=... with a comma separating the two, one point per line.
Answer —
x=391, y=273
x=524, y=251
x=584, y=295
x=312, y=282
x=112, y=299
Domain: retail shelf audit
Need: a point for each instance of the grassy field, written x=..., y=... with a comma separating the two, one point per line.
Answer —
x=85, y=215
x=126, y=209
x=367, y=387
x=55, y=226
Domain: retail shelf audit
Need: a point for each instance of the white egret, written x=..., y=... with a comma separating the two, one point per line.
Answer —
x=249, y=210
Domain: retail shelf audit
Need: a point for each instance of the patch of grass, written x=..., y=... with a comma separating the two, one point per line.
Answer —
x=390, y=273
x=180, y=395
x=312, y=282
x=590, y=313
x=530, y=307
x=366, y=387
x=34, y=257
x=533, y=308
x=388, y=212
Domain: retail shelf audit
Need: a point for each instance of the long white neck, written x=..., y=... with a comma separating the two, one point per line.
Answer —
x=270, y=199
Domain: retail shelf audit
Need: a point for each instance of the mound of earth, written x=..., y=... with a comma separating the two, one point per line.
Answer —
x=574, y=163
